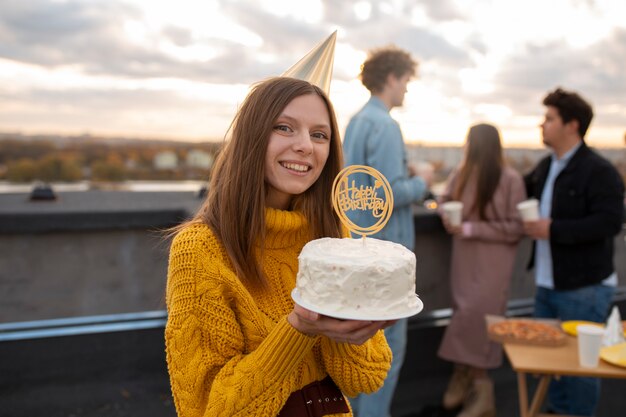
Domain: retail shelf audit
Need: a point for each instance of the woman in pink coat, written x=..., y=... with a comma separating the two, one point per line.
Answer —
x=483, y=253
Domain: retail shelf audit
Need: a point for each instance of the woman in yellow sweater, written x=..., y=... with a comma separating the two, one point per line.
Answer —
x=236, y=343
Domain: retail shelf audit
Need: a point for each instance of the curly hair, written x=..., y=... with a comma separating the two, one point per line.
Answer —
x=571, y=106
x=382, y=62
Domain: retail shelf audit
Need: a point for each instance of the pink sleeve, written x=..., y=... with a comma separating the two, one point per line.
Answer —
x=509, y=228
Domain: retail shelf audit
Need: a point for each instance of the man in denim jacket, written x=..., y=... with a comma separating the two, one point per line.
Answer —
x=373, y=138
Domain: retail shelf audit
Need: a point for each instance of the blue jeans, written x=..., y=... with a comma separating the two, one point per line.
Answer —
x=572, y=395
x=378, y=404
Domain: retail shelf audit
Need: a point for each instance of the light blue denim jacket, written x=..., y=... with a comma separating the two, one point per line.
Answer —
x=373, y=138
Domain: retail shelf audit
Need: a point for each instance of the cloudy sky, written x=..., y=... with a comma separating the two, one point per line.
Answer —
x=179, y=69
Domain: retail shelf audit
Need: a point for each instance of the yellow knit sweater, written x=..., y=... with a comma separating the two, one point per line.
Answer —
x=230, y=350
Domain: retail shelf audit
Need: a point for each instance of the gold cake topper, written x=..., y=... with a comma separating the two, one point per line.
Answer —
x=347, y=196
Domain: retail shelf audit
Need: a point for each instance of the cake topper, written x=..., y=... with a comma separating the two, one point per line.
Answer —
x=347, y=197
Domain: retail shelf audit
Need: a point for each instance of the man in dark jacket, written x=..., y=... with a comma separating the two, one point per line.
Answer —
x=581, y=205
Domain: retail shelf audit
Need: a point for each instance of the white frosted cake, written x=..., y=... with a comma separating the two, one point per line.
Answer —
x=352, y=278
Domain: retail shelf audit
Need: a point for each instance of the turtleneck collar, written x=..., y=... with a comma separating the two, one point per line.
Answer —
x=284, y=228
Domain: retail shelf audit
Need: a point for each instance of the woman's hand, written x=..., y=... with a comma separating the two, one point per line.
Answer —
x=453, y=230
x=355, y=332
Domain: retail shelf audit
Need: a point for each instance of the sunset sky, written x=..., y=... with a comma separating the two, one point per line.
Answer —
x=179, y=69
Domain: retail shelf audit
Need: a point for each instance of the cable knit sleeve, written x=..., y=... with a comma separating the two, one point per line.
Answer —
x=357, y=368
x=213, y=371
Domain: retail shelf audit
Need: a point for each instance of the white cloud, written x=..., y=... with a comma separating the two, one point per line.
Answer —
x=180, y=68
x=362, y=10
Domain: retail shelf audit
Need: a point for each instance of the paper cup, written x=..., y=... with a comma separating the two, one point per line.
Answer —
x=529, y=210
x=589, y=344
x=453, y=210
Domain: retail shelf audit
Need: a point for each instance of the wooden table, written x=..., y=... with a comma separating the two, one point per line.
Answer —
x=548, y=362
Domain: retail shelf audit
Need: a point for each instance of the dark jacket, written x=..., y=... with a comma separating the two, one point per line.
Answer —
x=587, y=213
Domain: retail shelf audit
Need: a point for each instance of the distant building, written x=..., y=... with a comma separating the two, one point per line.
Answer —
x=199, y=159
x=446, y=157
x=165, y=160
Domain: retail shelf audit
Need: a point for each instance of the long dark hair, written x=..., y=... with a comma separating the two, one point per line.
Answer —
x=483, y=161
x=235, y=205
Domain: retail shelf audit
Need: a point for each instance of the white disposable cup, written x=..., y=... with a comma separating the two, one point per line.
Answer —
x=589, y=344
x=453, y=211
x=529, y=210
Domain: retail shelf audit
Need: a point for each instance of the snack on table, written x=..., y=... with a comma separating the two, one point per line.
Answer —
x=350, y=277
x=526, y=331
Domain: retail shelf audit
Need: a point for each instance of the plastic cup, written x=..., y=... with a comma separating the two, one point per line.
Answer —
x=589, y=344
x=453, y=211
x=529, y=210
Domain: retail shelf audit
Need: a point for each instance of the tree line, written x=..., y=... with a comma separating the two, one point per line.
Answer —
x=47, y=160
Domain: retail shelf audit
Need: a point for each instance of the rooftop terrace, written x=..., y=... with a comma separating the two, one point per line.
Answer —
x=81, y=322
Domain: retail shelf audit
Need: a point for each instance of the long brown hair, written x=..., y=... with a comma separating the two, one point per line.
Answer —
x=483, y=161
x=235, y=205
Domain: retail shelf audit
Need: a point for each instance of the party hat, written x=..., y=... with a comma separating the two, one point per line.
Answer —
x=317, y=66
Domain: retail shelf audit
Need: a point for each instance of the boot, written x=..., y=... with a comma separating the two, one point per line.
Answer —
x=480, y=402
x=458, y=387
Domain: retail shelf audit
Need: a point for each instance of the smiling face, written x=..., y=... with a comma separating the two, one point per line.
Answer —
x=297, y=150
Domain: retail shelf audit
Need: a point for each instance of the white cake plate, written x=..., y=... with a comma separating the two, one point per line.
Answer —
x=295, y=294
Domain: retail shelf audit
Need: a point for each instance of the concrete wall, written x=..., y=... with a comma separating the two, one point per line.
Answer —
x=433, y=260
x=56, y=275
x=433, y=248
x=97, y=271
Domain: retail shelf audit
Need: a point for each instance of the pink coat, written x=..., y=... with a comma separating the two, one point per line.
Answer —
x=480, y=271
